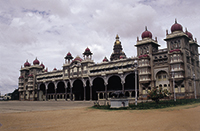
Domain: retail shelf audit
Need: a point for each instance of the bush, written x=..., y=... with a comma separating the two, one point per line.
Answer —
x=156, y=94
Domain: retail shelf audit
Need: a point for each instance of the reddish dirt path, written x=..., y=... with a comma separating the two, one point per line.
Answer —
x=84, y=119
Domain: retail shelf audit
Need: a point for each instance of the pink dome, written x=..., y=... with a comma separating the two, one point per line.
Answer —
x=121, y=57
x=30, y=75
x=77, y=59
x=105, y=60
x=42, y=66
x=189, y=34
x=21, y=77
x=69, y=54
x=27, y=64
x=176, y=27
x=54, y=69
x=146, y=34
x=36, y=62
x=87, y=49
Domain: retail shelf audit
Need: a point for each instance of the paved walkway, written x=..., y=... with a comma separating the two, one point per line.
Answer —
x=24, y=106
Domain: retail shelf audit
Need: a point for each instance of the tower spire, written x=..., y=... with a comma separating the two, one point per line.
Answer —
x=145, y=28
x=117, y=37
x=175, y=21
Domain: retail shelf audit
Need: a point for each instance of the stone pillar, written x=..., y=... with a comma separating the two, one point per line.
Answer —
x=71, y=94
x=106, y=90
x=90, y=93
x=65, y=90
x=73, y=97
x=130, y=93
x=98, y=96
x=55, y=96
x=123, y=87
x=66, y=93
x=38, y=95
x=46, y=86
x=84, y=93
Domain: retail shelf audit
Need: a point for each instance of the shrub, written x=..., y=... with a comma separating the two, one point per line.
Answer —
x=157, y=94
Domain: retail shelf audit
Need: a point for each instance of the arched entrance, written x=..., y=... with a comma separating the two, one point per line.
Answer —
x=60, y=91
x=51, y=91
x=129, y=82
x=98, y=85
x=42, y=92
x=114, y=83
x=130, y=85
x=78, y=90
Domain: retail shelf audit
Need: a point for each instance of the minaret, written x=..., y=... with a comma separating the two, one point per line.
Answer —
x=117, y=50
x=68, y=57
x=88, y=54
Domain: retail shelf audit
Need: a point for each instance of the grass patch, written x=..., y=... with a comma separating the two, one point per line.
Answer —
x=151, y=105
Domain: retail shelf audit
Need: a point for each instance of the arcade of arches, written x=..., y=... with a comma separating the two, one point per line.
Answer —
x=80, y=89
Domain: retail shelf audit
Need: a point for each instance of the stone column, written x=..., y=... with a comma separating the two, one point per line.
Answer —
x=46, y=86
x=106, y=90
x=122, y=87
x=55, y=94
x=84, y=93
x=71, y=93
x=38, y=89
x=65, y=90
x=90, y=93
x=38, y=95
x=98, y=96
x=66, y=93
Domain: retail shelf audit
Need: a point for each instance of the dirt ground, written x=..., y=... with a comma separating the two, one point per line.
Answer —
x=184, y=118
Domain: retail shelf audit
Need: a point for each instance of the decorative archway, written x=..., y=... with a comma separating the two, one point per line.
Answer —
x=129, y=82
x=51, y=90
x=78, y=90
x=60, y=90
x=98, y=85
x=162, y=79
x=41, y=92
x=114, y=83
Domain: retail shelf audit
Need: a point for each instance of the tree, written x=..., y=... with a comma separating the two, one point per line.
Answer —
x=157, y=94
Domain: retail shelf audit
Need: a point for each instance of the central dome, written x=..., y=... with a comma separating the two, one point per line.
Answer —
x=36, y=62
x=146, y=34
x=176, y=27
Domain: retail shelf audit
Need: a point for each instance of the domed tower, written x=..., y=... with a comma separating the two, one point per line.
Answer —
x=117, y=50
x=181, y=51
x=36, y=62
x=145, y=49
x=87, y=54
x=68, y=57
x=147, y=45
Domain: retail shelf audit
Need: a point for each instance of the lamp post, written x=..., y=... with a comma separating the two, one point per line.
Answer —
x=173, y=75
x=135, y=86
x=195, y=96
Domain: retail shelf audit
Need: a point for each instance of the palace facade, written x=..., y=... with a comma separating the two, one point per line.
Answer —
x=83, y=79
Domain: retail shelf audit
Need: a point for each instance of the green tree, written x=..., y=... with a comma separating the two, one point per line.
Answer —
x=157, y=94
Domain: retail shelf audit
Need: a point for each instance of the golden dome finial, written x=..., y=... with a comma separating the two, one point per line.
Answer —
x=117, y=37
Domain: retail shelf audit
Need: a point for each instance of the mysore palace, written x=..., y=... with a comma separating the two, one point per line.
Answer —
x=83, y=79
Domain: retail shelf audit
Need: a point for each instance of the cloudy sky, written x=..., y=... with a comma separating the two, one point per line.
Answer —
x=49, y=29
